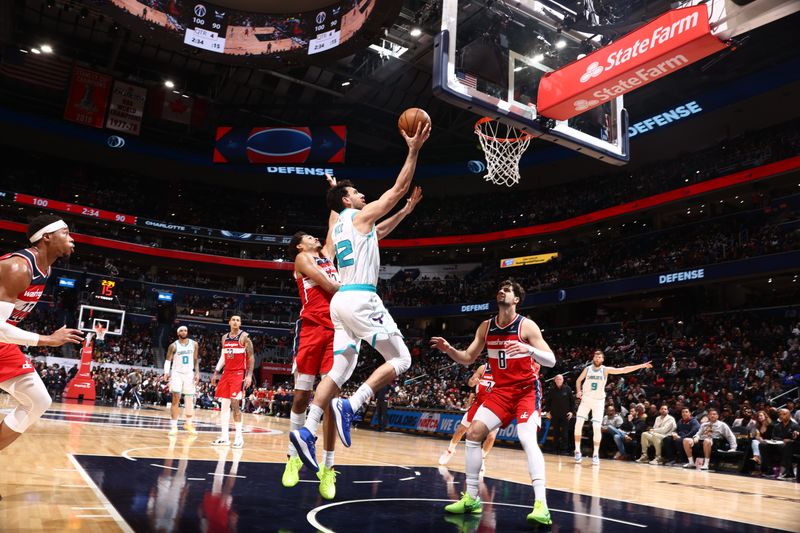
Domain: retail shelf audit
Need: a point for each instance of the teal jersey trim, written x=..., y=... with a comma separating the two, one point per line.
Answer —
x=358, y=287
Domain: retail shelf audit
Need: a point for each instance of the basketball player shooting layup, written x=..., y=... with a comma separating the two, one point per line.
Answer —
x=182, y=370
x=237, y=360
x=357, y=311
x=515, y=348
x=591, y=387
x=23, y=275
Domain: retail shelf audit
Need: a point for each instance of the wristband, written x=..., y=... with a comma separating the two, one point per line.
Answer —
x=167, y=365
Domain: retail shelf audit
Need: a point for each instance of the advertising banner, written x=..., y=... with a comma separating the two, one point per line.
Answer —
x=527, y=260
x=666, y=44
x=434, y=423
x=284, y=144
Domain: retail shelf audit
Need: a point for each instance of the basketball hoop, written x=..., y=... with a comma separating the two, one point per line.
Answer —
x=503, y=146
x=100, y=332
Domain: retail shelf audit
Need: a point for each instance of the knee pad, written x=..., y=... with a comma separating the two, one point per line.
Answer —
x=395, y=352
x=33, y=399
x=343, y=366
x=303, y=381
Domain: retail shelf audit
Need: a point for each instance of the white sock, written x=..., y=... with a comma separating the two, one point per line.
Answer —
x=452, y=447
x=174, y=424
x=225, y=418
x=296, y=421
x=362, y=396
x=473, y=466
x=238, y=426
x=539, y=492
x=328, y=458
x=596, y=449
x=313, y=418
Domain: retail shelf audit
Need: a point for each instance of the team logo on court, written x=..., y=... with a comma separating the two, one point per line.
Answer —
x=593, y=70
x=583, y=105
x=200, y=10
x=377, y=317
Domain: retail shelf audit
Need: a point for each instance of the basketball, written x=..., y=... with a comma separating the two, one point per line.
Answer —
x=411, y=118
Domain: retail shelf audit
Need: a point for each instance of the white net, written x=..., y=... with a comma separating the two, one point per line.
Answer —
x=503, y=146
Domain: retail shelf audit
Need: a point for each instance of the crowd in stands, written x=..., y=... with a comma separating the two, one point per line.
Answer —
x=183, y=202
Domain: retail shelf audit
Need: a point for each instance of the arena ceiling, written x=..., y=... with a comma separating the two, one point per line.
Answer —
x=365, y=90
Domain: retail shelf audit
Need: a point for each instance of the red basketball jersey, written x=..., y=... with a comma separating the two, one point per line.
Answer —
x=316, y=301
x=234, y=352
x=509, y=370
x=27, y=299
x=484, y=385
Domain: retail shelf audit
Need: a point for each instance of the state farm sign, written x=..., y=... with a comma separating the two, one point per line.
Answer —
x=666, y=44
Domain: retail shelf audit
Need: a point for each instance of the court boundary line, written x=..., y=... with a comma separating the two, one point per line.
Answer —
x=112, y=511
x=311, y=516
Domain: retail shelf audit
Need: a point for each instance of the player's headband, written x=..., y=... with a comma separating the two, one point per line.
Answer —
x=50, y=228
x=183, y=328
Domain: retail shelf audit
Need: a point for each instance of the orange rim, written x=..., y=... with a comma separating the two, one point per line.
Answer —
x=524, y=137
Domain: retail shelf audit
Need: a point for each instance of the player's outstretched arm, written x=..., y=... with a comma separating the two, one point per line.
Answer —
x=534, y=345
x=15, y=277
x=385, y=227
x=327, y=249
x=465, y=357
x=168, y=360
x=305, y=265
x=628, y=369
x=374, y=211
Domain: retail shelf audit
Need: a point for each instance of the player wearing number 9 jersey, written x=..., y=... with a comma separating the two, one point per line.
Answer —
x=357, y=312
x=591, y=387
x=516, y=351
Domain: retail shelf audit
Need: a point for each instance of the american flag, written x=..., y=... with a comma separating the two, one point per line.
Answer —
x=467, y=79
x=47, y=71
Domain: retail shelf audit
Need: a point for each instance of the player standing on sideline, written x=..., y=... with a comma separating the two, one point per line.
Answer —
x=483, y=382
x=515, y=351
x=182, y=370
x=357, y=311
x=237, y=360
x=317, y=281
x=23, y=275
x=591, y=391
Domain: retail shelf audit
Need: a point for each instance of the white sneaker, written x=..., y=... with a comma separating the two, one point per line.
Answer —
x=704, y=466
x=655, y=462
x=578, y=457
x=689, y=464
x=595, y=460
x=445, y=457
x=221, y=442
x=238, y=442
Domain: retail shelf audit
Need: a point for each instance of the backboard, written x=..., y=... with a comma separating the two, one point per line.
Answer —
x=491, y=55
x=112, y=319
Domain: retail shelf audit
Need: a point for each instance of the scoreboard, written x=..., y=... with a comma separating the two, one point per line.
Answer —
x=206, y=26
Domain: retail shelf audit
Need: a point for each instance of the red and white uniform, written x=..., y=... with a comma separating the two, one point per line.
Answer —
x=517, y=392
x=13, y=362
x=482, y=391
x=231, y=383
x=313, y=335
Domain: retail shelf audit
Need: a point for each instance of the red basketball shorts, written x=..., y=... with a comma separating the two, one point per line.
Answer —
x=313, y=353
x=13, y=362
x=230, y=385
x=522, y=402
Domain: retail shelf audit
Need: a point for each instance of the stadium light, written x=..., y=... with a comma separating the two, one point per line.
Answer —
x=169, y=84
x=36, y=51
x=561, y=43
x=415, y=32
x=46, y=48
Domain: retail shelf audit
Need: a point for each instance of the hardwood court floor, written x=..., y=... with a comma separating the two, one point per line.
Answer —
x=44, y=488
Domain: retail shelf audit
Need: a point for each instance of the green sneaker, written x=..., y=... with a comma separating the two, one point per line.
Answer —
x=327, y=482
x=467, y=504
x=291, y=475
x=540, y=514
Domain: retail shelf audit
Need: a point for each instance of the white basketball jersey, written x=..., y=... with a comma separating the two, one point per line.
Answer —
x=356, y=254
x=594, y=386
x=183, y=360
